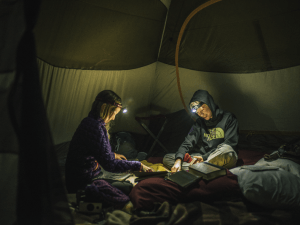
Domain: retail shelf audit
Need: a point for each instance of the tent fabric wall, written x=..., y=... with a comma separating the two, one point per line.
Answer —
x=234, y=36
x=8, y=141
x=31, y=186
x=69, y=93
x=100, y=35
x=265, y=101
x=11, y=14
x=9, y=149
x=11, y=17
x=8, y=162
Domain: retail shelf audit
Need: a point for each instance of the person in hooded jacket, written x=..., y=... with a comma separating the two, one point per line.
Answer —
x=213, y=137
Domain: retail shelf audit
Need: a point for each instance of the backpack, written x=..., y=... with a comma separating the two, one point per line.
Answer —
x=124, y=144
x=289, y=151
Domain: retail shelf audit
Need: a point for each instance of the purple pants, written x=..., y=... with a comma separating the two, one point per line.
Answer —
x=102, y=191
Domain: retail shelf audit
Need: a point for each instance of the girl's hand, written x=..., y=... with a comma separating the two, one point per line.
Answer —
x=177, y=166
x=146, y=168
x=119, y=156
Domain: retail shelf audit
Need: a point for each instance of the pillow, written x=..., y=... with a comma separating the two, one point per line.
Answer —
x=269, y=186
x=285, y=164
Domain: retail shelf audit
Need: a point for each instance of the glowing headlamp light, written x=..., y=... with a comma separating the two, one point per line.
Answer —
x=124, y=110
x=196, y=107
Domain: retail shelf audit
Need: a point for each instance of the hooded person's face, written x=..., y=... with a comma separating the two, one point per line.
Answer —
x=204, y=112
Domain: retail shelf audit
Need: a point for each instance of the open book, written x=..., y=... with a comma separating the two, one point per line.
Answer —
x=207, y=170
x=203, y=170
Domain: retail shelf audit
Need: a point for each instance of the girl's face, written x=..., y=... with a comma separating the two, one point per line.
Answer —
x=113, y=114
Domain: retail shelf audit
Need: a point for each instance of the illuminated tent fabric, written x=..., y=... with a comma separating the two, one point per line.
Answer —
x=95, y=45
x=245, y=53
x=100, y=35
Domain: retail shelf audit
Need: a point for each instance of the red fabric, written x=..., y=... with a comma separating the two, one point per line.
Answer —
x=187, y=158
x=250, y=157
x=224, y=187
x=157, y=189
x=149, y=191
x=155, y=160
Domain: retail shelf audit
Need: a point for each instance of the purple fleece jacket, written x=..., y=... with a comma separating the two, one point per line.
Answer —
x=89, y=145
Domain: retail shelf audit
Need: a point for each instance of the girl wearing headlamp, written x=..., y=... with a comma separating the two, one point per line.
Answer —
x=90, y=150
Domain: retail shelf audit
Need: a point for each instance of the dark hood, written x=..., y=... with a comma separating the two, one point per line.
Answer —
x=205, y=97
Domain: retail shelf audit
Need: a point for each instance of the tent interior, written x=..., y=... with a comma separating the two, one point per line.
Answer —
x=57, y=55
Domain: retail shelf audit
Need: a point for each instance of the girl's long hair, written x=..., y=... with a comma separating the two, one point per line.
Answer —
x=109, y=98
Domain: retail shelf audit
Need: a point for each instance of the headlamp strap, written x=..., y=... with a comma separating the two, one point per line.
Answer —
x=109, y=102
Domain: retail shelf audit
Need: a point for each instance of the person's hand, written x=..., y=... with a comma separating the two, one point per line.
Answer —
x=146, y=168
x=119, y=156
x=199, y=159
x=177, y=166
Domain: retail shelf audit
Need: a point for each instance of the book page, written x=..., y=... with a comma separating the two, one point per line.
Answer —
x=204, y=168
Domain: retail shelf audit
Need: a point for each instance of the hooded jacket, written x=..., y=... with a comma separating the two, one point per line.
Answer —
x=205, y=135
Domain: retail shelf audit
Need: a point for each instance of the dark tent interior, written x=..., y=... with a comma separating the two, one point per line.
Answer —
x=57, y=55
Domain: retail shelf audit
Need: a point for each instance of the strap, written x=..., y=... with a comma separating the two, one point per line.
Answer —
x=272, y=156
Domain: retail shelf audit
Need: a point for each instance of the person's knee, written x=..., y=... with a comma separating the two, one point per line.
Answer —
x=125, y=186
x=224, y=156
x=230, y=161
x=225, y=148
x=169, y=160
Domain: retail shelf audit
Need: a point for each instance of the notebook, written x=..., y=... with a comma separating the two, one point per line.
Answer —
x=183, y=178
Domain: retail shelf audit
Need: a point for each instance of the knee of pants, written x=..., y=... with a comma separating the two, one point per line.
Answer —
x=125, y=187
x=225, y=148
x=169, y=160
x=232, y=161
x=227, y=160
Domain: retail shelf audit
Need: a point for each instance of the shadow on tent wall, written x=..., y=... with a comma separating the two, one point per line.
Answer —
x=229, y=96
x=179, y=124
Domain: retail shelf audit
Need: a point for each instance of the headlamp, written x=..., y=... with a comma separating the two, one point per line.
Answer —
x=124, y=109
x=194, y=108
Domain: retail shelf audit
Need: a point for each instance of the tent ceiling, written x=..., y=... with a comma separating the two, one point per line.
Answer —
x=234, y=36
x=229, y=36
x=102, y=35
